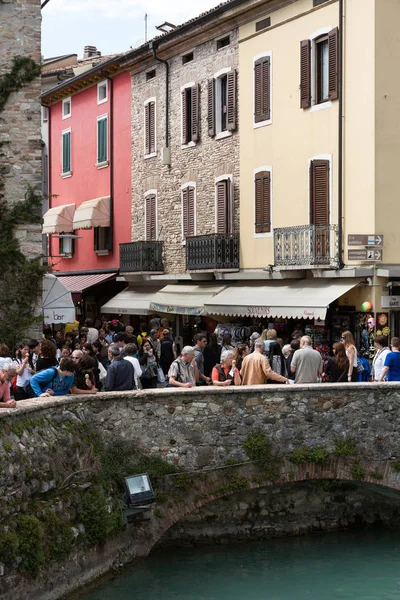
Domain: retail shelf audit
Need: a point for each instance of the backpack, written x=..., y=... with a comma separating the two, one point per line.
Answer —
x=29, y=390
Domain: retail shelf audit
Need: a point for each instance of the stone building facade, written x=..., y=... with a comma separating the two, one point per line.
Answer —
x=199, y=164
x=20, y=136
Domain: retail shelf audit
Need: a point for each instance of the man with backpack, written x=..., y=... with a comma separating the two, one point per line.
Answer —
x=56, y=381
x=183, y=372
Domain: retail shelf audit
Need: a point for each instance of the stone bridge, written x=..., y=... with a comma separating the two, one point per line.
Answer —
x=225, y=443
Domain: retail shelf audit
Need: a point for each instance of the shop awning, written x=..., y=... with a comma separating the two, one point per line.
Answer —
x=132, y=301
x=57, y=304
x=59, y=219
x=93, y=213
x=301, y=299
x=78, y=283
x=184, y=299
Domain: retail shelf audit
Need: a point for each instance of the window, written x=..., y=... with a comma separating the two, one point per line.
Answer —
x=319, y=192
x=188, y=210
x=262, y=89
x=223, y=42
x=150, y=75
x=224, y=208
x=190, y=114
x=151, y=216
x=66, y=152
x=102, y=240
x=102, y=150
x=262, y=199
x=222, y=103
x=102, y=92
x=187, y=58
x=150, y=148
x=260, y=25
x=66, y=246
x=45, y=114
x=66, y=108
x=319, y=69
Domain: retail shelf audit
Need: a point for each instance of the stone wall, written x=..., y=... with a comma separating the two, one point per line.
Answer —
x=202, y=163
x=20, y=135
x=62, y=463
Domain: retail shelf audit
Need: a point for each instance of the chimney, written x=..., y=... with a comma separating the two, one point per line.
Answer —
x=90, y=52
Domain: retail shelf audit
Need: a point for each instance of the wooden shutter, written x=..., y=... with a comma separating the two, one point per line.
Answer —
x=222, y=202
x=333, y=42
x=151, y=231
x=211, y=107
x=184, y=118
x=231, y=111
x=188, y=211
x=150, y=128
x=305, y=74
x=66, y=152
x=195, y=113
x=319, y=192
x=263, y=202
x=102, y=140
x=262, y=89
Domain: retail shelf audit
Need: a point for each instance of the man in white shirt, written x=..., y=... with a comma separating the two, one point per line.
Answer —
x=93, y=334
x=382, y=350
x=129, y=354
x=306, y=363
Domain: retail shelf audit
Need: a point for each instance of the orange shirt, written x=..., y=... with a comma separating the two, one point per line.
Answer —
x=215, y=374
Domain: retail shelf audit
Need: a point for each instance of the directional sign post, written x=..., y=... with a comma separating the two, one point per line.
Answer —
x=373, y=254
x=365, y=240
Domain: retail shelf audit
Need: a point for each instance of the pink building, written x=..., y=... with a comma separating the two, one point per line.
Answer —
x=89, y=183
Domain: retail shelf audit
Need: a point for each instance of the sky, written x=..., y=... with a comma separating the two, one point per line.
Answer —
x=111, y=25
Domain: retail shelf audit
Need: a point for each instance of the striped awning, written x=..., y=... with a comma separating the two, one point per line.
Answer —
x=93, y=213
x=76, y=284
x=59, y=219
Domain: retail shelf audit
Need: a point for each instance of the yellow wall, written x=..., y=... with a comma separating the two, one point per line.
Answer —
x=295, y=135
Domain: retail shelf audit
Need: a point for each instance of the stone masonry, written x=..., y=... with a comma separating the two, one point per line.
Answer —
x=201, y=163
x=20, y=137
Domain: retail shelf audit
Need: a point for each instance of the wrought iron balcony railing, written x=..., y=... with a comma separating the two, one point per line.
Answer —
x=306, y=246
x=212, y=252
x=141, y=257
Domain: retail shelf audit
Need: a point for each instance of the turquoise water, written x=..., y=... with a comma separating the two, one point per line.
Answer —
x=336, y=566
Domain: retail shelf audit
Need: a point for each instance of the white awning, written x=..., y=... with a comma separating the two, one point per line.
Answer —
x=93, y=213
x=300, y=299
x=184, y=299
x=57, y=304
x=59, y=219
x=132, y=301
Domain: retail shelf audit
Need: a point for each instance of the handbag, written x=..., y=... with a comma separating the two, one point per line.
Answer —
x=102, y=372
x=149, y=372
x=160, y=375
x=360, y=366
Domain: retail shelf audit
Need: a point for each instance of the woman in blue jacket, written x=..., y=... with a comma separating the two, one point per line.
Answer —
x=56, y=381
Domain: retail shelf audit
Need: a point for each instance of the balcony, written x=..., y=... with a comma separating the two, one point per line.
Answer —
x=306, y=246
x=215, y=252
x=141, y=257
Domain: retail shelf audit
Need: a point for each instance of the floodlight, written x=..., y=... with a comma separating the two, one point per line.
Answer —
x=139, y=490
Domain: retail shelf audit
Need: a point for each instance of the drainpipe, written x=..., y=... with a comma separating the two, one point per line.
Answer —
x=153, y=48
x=49, y=164
x=340, y=137
x=111, y=155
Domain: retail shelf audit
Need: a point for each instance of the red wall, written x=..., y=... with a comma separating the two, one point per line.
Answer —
x=87, y=181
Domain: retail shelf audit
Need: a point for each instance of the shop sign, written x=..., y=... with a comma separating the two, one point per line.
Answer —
x=258, y=310
x=368, y=255
x=365, y=240
x=390, y=301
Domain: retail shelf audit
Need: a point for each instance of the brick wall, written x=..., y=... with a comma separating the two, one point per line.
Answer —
x=207, y=160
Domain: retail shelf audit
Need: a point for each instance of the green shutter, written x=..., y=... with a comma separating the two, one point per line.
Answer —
x=102, y=140
x=66, y=152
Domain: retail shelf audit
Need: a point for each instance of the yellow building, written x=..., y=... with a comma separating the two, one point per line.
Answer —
x=319, y=145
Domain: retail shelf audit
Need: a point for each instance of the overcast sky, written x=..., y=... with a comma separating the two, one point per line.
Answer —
x=110, y=25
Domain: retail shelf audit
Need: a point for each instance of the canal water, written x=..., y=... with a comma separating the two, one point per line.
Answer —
x=349, y=565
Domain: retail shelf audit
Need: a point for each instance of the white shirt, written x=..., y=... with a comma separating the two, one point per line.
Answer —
x=379, y=362
x=24, y=377
x=134, y=361
x=92, y=335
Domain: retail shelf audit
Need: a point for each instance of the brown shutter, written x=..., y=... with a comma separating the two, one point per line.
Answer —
x=266, y=88
x=258, y=91
x=147, y=129
x=185, y=215
x=195, y=113
x=305, y=74
x=184, y=118
x=222, y=201
x=263, y=202
x=211, y=107
x=151, y=232
x=231, y=111
x=152, y=127
x=333, y=41
x=319, y=192
x=190, y=211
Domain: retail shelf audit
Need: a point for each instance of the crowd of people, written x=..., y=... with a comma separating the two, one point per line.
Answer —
x=116, y=358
